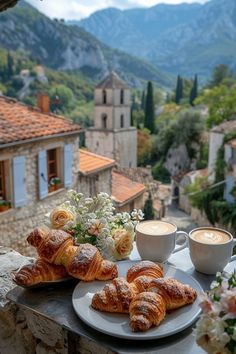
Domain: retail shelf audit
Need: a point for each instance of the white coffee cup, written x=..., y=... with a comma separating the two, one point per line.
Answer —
x=211, y=249
x=156, y=240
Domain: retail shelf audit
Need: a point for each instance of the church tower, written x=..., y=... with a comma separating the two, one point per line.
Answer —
x=112, y=134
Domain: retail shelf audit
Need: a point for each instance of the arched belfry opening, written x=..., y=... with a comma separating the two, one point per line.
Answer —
x=104, y=96
x=104, y=121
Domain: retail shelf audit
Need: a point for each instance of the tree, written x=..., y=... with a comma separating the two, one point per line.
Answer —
x=221, y=102
x=10, y=65
x=149, y=121
x=220, y=72
x=179, y=90
x=194, y=91
x=148, y=208
x=143, y=101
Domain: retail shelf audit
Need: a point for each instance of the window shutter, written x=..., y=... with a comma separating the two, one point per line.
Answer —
x=43, y=174
x=68, y=165
x=19, y=181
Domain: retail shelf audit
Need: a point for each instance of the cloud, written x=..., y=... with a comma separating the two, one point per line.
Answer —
x=77, y=9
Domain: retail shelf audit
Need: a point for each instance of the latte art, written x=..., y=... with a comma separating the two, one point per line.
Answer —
x=156, y=228
x=210, y=236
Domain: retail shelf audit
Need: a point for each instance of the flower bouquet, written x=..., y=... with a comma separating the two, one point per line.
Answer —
x=92, y=220
x=216, y=329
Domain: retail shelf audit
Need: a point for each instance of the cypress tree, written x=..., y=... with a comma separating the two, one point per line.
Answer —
x=143, y=101
x=148, y=208
x=149, y=109
x=179, y=90
x=193, y=93
x=10, y=64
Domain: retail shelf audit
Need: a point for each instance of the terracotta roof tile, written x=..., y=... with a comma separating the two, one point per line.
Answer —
x=91, y=163
x=124, y=189
x=20, y=122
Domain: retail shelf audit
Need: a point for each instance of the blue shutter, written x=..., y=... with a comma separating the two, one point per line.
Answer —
x=228, y=189
x=43, y=174
x=68, y=165
x=19, y=181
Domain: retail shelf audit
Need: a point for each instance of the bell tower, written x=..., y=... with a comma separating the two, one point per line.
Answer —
x=112, y=134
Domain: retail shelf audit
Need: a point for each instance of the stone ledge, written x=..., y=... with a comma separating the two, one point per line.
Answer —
x=23, y=331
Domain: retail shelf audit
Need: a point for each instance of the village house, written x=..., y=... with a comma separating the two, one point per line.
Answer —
x=216, y=141
x=230, y=170
x=97, y=175
x=38, y=164
x=127, y=194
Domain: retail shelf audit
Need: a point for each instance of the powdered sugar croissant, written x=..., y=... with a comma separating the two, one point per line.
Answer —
x=83, y=262
x=147, y=309
x=116, y=296
x=174, y=293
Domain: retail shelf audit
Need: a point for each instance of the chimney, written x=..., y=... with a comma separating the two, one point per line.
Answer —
x=43, y=102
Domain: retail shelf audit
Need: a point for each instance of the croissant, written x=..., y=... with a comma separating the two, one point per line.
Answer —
x=83, y=262
x=147, y=268
x=147, y=309
x=174, y=293
x=115, y=297
x=38, y=272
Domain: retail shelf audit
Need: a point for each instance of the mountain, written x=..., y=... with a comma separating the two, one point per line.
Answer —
x=62, y=47
x=181, y=39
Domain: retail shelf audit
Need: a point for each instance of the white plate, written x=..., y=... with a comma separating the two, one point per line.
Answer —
x=117, y=325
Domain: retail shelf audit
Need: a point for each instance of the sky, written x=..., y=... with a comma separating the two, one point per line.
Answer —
x=77, y=9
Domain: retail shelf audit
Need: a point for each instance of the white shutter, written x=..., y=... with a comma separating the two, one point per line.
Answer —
x=68, y=165
x=19, y=184
x=42, y=174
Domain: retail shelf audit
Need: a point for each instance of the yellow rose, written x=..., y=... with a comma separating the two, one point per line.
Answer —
x=59, y=217
x=123, y=243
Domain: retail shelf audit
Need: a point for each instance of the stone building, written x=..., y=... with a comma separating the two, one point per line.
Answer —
x=127, y=194
x=215, y=142
x=38, y=164
x=230, y=170
x=95, y=173
x=112, y=135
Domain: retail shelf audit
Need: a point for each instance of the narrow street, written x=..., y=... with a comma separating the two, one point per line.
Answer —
x=182, y=220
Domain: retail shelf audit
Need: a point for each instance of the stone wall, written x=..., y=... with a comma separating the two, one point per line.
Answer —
x=93, y=184
x=17, y=223
x=120, y=145
x=24, y=332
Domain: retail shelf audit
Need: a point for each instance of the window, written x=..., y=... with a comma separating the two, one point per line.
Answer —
x=122, y=121
x=5, y=186
x=52, y=168
x=104, y=121
x=2, y=181
x=55, y=169
x=52, y=163
x=121, y=96
x=104, y=96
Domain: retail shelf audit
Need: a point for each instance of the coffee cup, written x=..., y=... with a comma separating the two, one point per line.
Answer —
x=211, y=249
x=156, y=240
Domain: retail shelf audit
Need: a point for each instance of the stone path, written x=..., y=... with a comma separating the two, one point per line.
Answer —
x=182, y=220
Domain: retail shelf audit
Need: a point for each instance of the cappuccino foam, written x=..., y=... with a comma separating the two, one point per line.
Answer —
x=156, y=228
x=210, y=236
